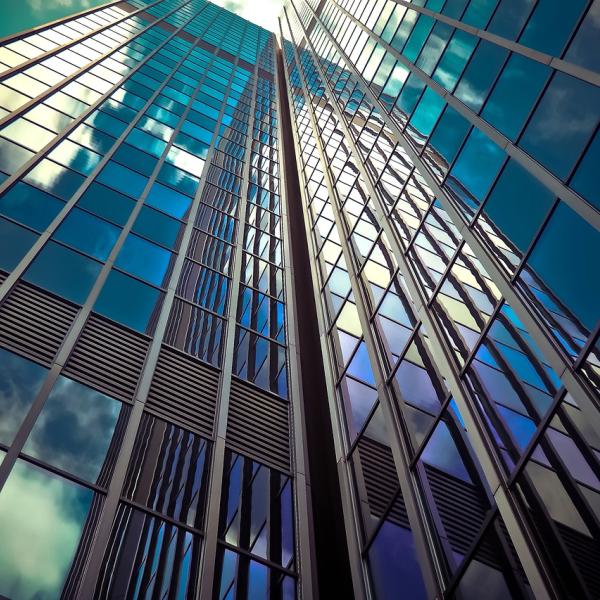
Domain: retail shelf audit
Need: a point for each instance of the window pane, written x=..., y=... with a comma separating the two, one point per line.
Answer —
x=158, y=227
x=107, y=203
x=16, y=242
x=41, y=519
x=145, y=260
x=169, y=201
x=64, y=272
x=129, y=302
x=74, y=430
x=20, y=381
x=30, y=206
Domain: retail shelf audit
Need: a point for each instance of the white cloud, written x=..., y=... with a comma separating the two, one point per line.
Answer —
x=261, y=12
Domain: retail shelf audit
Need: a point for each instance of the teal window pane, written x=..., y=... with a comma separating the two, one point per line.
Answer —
x=550, y=24
x=427, y=112
x=585, y=47
x=144, y=140
x=475, y=168
x=88, y=234
x=53, y=178
x=479, y=12
x=182, y=181
x=122, y=179
x=586, y=180
x=169, y=201
x=129, y=302
x=518, y=204
x=480, y=74
x=74, y=431
x=562, y=124
x=63, y=272
x=136, y=159
x=16, y=242
x=30, y=206
x=566, y=259
x=509, y=18
x=144, y=260
x=158, y=227
x=20, y=382
x=107, y=203
x=454, y=59
x=449, y=134
x=518, y=88
x=49, y=510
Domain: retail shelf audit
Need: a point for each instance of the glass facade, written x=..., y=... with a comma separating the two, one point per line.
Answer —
x=180, y=189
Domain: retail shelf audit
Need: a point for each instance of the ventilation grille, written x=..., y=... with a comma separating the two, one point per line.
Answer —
x=108, y=357
x=35, y=323
x=381, y=481
x=258, y=425
x=184, y=391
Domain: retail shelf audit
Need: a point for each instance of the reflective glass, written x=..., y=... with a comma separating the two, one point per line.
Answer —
x=158, y=227
x=144, y=259
x=30, y=206
x=64, y=272
x=129, y=302
x=74, y=430
x=87, y=233
x=122, y=179
x=169, y=201
x=16, y=242
x=20, y=381
x=36, y=506
x=586, y=179
x=55, y=179
x=107, y=203
x=585, y=47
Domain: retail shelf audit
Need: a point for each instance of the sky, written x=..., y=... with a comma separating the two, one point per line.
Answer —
x=261, y=12
x=18, y=15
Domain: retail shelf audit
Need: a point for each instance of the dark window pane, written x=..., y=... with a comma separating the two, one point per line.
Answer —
x=158, y=227
x=20, y=381
x=509, y=18
x=88, y=234
x=75, y=429
x=107, y=203
x=16, y=242
x=145, y=260
x=562, y=123
x=30, y=206
x=566, y=259
x=36, y=505
x=122, y=179
x=586, y=180
x=64, y=272
x=129, y=302
x=585, y=47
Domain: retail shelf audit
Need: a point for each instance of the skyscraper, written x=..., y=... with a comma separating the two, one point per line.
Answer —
x=304, y=314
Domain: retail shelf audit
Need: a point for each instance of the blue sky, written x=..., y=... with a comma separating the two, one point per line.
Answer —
x=18, y=15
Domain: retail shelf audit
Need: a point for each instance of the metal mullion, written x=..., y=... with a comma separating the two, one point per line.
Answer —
x=548, y=179
x=68, y=45
x=541, y=57
x=431, y=570
x=207, y=574
x=475, y=424
x=66, y=80
x=542, y=338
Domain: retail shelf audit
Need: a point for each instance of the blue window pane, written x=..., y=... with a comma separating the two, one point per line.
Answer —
x=122, y=179
x=360, y=367
x=454, y=59
x=475, y=168
x=562, y=124
x=144, y=260
x=30, y=497
x=585, y=47
x=441, y=452
x=518, y=87
x=75, y=429
x=480, y=74
x=518, y=204
x=20, y=382
x=16, y=242
x=479, y=12
x=184, y=182
x=158, y=227
x=566, y=259
x=509, y=18
x=55, y=179
x=64, y=272
x=550, y=25
x=141, y=139
x=132, y=157
x=586, y=180
x=411, y=92
x=129, y=302
x=107, y=203
x=169, y=201
x=449, y=134
x=30, y=206
x=88, y=234
x=427, y=112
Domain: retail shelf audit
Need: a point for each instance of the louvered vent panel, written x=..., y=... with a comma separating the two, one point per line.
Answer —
x=108, y=357
x=35, y=323
x=381, y=480
x=184, y=391
x=3, y=277
x=258, y=425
